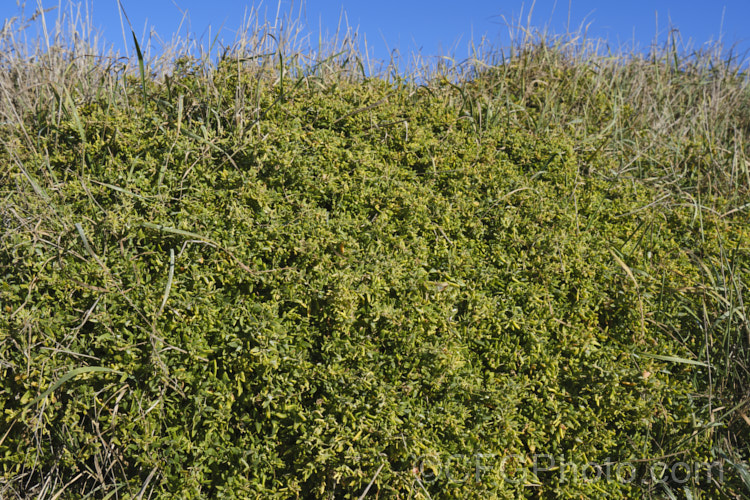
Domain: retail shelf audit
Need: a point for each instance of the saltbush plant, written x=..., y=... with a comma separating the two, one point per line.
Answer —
x=276, y=273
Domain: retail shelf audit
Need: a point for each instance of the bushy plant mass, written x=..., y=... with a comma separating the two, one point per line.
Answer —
x=265, y=276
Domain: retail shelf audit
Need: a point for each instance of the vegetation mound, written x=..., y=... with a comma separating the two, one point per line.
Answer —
x=262, y=275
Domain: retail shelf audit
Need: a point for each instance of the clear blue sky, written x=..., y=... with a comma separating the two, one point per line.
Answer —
x=432, y=27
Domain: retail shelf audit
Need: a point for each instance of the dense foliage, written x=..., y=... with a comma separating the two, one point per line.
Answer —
x=253, y=284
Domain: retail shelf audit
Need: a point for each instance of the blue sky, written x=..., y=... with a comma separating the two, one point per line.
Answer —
x=430, y=27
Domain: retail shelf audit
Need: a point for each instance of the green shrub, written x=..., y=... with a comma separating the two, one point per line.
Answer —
x=239, y=289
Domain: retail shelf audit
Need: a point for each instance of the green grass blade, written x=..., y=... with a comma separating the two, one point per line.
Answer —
x=172, y=230
x=119, y=189
x=169, y=282
x=34, y=184
x=742, y=470
x=86, y=245
x=141, y=66
x=73, y=111
x=675, y=359
x=71, y=374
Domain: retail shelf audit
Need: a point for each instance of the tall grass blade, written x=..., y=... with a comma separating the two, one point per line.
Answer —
x=167, y=229
x=71, y=374
x=85, y=240
x=674, y=359
x=169, y=282
x=742, y=469
x=139, y=54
